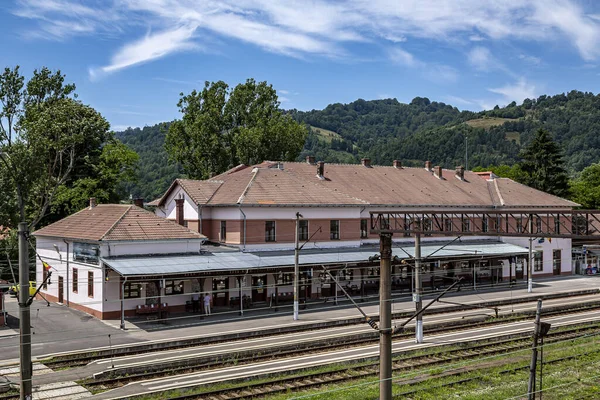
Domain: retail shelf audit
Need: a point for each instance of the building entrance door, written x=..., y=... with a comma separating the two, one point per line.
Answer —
x=220, y=291
x=259, y=290
x=60, y=289
x=305, y=286
x=519, y=270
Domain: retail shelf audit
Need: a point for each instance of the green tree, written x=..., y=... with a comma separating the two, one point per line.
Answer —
x=49, y=143
x=221, y=128
x=543, y=165
x=585, y=189
x=513, y=172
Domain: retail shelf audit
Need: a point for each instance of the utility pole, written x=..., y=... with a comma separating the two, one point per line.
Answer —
x=418, y=290
x=296, y=265
x=534, y=351
x=385, y=317
x=24, y=313
x=530, y=261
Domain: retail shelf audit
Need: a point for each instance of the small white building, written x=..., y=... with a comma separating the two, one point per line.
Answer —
x=76, y=249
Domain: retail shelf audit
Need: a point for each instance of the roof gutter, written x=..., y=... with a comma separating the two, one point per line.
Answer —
x=244, y=214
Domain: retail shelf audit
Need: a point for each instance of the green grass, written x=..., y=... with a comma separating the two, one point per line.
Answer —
x=486, y=123
x=325, y=134
x=572, y=379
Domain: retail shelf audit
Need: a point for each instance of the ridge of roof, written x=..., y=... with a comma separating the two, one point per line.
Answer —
x=116, y=222
x=252, y=179
x=573, y=204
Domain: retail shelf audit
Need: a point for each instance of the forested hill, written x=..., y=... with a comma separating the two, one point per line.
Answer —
x=385, y=130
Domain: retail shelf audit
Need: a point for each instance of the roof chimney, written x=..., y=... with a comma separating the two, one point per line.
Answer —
x=138, y=202
x=428, y=165
x=321, y=170
x=366, y=162
x=310, y=160
x=437, y=171
x=92, y=202
x=460, y=172
x=397, y=164
x=179, y=211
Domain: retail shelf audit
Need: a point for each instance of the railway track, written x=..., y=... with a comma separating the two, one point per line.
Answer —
x=310, y=380
x=320, y=345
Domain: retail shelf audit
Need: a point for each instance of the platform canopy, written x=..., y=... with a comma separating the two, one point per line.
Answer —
x=235, y=261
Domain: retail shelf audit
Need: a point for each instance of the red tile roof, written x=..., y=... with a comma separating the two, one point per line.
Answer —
x=297, y=183
x=107, y=222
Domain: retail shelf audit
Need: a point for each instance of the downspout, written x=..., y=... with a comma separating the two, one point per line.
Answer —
x=68, y=288
x=244, y=214
x=123, y=303
x=200, y=218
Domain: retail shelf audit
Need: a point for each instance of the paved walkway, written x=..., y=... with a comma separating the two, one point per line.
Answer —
x=59, y=329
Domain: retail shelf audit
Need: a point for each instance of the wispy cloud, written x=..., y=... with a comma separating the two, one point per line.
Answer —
x=148, y=48
x=403, y=57
x=324, y=28
x=517, y=91
x=438, y=73
x=459, y=100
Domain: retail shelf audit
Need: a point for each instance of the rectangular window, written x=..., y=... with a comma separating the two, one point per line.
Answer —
x=427, y=226
x=173, y=287
x=334, y=229
x=557, y=224
x=448, y=225
x=484, y=224
x=90, y=283
x=466, y=225
x=345, y=275
x=303, y=229
x=364, y=233
x=556, y=261
x=519, y=222
x=132, y=290
x=223, y=232
x=75, y=279
x=285, y=279
x=538, y=224
x=406, y=226
x=498, y=223
x=269, y=231
x=185, y=223
x=538, y=261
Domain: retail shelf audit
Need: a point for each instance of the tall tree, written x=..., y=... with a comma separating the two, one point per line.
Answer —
x=585, y=189
x=221, y=128
x=543, y=165
x=49, y=142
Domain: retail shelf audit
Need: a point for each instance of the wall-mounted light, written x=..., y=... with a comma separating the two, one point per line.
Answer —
x=58, y=251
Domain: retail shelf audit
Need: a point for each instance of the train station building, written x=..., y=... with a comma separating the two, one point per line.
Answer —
x=233, y=236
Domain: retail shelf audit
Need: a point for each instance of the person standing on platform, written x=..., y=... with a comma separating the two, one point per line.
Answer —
x=207, y=300
x=196, y=302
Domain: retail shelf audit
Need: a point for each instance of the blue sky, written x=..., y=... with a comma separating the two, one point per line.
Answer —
x=130, y=59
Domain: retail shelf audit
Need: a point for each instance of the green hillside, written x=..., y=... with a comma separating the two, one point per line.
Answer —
x=385, y=130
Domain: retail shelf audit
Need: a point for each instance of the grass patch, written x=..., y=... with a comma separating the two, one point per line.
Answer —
x=325, y=134
x=488, y=122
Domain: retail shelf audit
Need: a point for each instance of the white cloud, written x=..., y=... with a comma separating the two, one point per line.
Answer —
x=518, y=91
x=322, y=28
x=481, y=58
x=403, y=57
x=150, y=47
x=530, y=59
x=453, y=100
